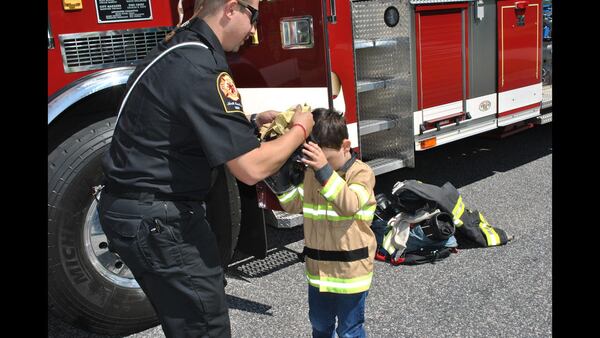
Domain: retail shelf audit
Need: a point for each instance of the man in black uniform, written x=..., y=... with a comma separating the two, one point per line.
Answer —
x=181, y=117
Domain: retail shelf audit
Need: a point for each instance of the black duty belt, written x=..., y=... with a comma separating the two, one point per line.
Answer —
x=338, y=256
x=146, y=195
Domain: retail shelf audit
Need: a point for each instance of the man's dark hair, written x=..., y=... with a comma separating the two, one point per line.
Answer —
x=330, y=128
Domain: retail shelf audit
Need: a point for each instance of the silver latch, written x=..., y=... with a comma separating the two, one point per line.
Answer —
x=479, y=10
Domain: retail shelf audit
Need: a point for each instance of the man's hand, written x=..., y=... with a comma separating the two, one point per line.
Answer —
x=304, y=118
x=265, y=117
x=315, y=157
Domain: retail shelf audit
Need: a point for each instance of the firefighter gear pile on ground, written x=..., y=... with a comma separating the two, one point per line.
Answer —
x=424, y=223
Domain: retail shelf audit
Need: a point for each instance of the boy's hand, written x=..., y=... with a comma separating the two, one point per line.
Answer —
x=314, y=156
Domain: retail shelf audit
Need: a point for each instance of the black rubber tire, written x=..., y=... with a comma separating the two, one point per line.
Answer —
x=77, y=293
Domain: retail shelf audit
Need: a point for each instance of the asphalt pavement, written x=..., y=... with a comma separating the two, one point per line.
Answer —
x=481, y=292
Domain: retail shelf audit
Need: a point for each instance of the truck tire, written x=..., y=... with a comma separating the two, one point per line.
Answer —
x=88, y=286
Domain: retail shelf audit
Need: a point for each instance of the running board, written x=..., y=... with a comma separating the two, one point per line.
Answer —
x=546, y=96
x=384, y=165
x=543, y=119
x=372, y=126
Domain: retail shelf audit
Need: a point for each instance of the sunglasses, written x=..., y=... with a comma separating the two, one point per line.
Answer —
x=253, y=12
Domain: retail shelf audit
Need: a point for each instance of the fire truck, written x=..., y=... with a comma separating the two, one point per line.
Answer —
x=409, y=75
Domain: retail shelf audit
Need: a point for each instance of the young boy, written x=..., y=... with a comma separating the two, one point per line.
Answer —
x=338, y=203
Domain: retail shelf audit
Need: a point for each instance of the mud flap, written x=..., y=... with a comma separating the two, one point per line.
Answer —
x=223, y=212
x=253, y=233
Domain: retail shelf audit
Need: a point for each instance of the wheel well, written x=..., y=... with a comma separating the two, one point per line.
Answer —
x=90, y=109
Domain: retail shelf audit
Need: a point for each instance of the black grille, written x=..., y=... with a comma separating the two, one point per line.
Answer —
x=99, y=50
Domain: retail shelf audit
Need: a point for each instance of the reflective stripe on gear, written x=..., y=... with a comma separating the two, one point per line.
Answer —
x=340, y=285
x=361, y=192
x=366, y=213
x=459, y=209
x=333, y=187
x=327, y=212
x=290, y=196
x=386, y=244
x=490, y=234
x=287, y=197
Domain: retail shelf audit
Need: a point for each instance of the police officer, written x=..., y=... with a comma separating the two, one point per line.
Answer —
x=181, y=117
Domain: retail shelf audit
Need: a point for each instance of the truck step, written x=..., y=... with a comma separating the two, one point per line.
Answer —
x=384, y=165
x=543, y=119
x=547, y=96
x=282, y=220
x=372, y=126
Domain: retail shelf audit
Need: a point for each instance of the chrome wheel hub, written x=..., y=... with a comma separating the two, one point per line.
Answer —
x=106, y=263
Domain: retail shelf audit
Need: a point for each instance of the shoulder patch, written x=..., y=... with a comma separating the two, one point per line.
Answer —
x=232, y=101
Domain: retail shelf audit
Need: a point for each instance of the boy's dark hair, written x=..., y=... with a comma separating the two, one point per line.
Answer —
x=330, y=128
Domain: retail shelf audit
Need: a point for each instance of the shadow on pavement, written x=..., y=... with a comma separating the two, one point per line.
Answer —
x=472, y=159
x=242, y=304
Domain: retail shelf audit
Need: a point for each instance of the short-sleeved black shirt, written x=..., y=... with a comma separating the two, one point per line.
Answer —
x=182, y=118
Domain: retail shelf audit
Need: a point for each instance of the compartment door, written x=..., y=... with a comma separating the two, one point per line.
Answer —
x=442, y=61
x=519, y=55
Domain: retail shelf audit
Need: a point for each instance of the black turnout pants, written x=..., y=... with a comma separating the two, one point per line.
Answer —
x=173, y=255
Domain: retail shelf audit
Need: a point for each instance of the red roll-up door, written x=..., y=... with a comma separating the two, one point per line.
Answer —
x=441, y=32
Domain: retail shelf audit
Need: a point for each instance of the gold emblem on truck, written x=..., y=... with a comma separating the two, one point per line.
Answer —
x=485, y=105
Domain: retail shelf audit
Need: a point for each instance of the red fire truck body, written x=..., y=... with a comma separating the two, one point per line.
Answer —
x=409, y=75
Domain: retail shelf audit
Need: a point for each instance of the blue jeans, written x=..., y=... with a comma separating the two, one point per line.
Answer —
x=324, y=307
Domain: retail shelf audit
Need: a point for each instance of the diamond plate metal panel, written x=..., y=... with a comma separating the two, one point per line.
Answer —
x=385, y=61
x=386, y=102
x=367, y=19
x=387, y=144
x=277, y=259
x=388, y=59
x=284, y=220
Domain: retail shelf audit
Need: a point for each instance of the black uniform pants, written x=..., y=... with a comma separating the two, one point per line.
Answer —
x=173, y=255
